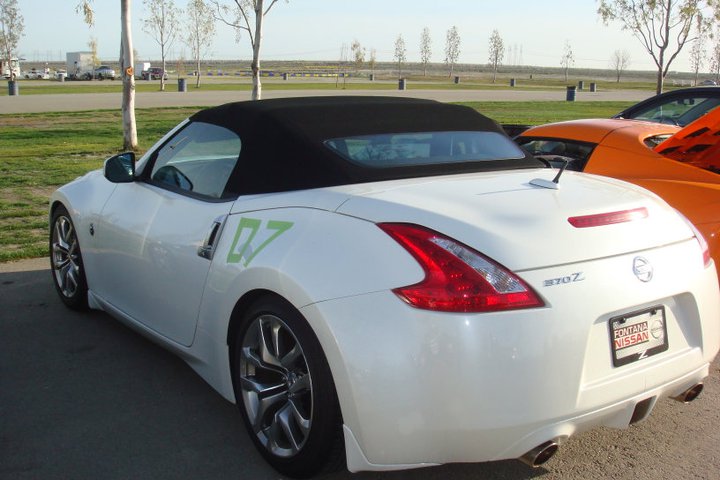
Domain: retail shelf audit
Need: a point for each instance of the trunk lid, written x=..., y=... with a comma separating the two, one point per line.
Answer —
x=521, y=225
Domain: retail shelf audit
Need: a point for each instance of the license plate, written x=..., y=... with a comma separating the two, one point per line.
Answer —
x=638, y=335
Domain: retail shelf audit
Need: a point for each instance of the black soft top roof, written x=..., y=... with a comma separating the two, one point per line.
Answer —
x=282, y=139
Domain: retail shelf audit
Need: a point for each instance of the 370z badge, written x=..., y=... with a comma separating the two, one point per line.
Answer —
x=573, y=277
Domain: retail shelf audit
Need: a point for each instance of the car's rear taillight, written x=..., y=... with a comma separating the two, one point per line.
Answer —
x=704, y=247
x=457, y=278
x=609, y=218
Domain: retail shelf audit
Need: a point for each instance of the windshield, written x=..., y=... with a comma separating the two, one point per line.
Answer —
x=426, y=148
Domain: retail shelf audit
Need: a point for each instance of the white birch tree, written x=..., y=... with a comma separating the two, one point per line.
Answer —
x=697, y=57
x=400, y=54
x=200, y=32
x=425, y=49
x=452, y=48
x=496, y=52
x=126, y=68
x=162, y=25
x=619, y=62
x=567, y=60
x=12, y=25
x=127, y=62
x=247, y=16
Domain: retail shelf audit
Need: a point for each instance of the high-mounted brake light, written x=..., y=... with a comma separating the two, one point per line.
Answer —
x=457, y=278
x=609, y=218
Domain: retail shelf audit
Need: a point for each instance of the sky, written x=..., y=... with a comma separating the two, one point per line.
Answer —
x=535, y=31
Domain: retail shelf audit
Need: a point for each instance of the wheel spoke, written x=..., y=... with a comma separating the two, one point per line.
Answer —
x=268, y=346
x=253, y=359
x=266, y=406
x=301, y=421
x=301, y=385
x=289, y=360
x=284, y=417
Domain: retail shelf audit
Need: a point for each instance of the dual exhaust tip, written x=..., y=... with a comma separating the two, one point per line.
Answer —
x=690, y=394
x=545, y=451
x=540, y=454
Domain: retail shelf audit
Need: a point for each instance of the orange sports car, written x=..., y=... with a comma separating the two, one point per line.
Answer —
x=681, y=165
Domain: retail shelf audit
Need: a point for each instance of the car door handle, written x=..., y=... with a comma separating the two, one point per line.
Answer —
x=207, y=250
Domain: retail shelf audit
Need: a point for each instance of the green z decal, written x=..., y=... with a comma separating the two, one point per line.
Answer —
x=249, y=233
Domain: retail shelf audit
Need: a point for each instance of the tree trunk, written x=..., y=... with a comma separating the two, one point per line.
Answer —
x=660, y=80
x=128, y=78
x=255, y=66
x=162, y=75
x=197, y=72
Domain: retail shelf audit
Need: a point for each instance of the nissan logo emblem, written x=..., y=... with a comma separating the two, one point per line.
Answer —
x=642, y=269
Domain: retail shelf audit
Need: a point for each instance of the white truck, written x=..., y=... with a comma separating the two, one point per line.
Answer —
x=11, y=70
x=141, y=68
x=80, y=65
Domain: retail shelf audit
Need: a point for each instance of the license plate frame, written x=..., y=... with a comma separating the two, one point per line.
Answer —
x=638, y=335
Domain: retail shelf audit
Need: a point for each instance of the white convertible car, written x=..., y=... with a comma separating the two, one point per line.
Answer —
x=391, y=283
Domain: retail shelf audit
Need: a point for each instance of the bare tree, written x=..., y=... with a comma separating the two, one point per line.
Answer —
x=12, y=25
x=452, y=48
x=358, y=53
x=126, y=68
x=373, y=60
x=425, y=49
x=715, y=59
x=162, y=25
x=496, y=51
x=400, y=54
x=567, y=60
x=239, y=17
x=619, y=62
x=93, y=46
x=200, y=32
x=662, y=26
x=697, y=57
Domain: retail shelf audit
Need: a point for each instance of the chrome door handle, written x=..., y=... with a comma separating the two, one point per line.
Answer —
x=207, y=250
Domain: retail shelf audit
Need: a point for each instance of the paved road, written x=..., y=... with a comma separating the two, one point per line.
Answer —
x=83, y=397
x=92, y=101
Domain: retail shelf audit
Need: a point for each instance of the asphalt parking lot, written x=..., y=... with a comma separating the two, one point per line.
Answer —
x=83, y=397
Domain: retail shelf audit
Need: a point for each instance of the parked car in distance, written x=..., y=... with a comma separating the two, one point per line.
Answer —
x=104, y=72
x=675, y=107
x=37, y=74
x=155, y=73
x=682, y=165
x=390, y=283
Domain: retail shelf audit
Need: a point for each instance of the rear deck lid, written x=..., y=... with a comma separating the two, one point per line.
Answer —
x=523, y=226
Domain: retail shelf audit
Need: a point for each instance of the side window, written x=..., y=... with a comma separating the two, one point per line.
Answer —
x=678, y=112
x=198, y=159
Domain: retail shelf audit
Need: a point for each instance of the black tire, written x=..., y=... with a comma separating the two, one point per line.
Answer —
x=66, y=265
x=285, y=391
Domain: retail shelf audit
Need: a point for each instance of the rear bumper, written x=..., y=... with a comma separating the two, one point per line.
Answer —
x=420, y=388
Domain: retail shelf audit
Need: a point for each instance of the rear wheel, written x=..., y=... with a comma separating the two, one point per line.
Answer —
x=285, y=390
x=66, y=261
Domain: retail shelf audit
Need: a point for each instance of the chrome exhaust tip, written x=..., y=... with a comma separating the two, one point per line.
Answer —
x=690, y=394
x=540, y=454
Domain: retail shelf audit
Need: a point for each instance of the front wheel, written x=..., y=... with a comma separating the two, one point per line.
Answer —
x=285, y=390
x=66, y=261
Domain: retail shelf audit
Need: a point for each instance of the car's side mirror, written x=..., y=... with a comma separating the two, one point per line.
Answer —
x=120, y=168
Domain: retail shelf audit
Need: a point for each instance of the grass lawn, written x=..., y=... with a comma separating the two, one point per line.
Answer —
x=45, y=150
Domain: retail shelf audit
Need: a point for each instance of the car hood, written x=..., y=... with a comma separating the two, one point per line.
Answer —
x=523, y=226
